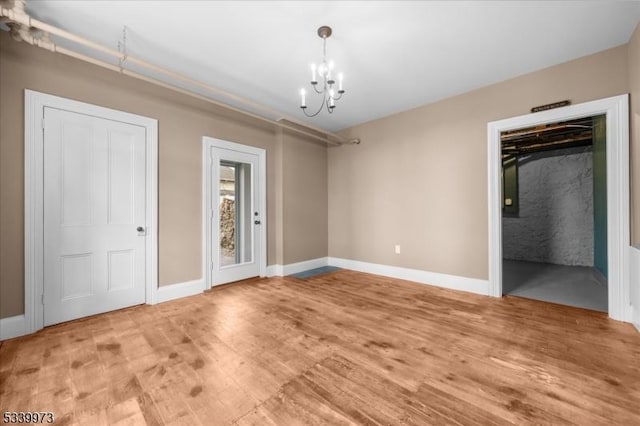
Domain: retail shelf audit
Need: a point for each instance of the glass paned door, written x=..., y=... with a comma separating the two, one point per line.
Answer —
x=235, y=201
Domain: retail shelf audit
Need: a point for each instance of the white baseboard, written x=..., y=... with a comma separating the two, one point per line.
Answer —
x=294, y=268
x=179, y=290
x=453, y=282
x=17, y=326
x=634, y=285
x=13, y=327
x=274, y=270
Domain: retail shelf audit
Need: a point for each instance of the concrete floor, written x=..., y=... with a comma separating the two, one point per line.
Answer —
x=578, y=286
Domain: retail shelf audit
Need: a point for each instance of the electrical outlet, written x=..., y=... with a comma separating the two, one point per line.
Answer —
x=397, y=248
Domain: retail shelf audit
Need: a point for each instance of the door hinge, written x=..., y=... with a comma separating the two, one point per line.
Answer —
x=42, y=299
x=212, y=266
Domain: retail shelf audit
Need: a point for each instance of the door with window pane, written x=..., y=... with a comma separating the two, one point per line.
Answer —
x=235, y=240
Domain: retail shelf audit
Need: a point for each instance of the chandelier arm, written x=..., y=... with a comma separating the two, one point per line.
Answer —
x=312, y=115
x=304, y=110
x=320, y=92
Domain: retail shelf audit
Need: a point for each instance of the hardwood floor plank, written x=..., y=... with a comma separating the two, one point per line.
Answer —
x=149, y=410
x=341, y=348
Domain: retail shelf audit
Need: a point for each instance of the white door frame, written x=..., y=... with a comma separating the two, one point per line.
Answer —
x=616, y=109
x=207, y=213
x=35, y=102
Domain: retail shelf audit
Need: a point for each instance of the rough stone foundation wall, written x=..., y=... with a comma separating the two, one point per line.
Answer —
x=227, y=226
x=555, y=223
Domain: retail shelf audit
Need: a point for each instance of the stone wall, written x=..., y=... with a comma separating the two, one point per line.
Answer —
x=227, y=226
x=555, y=223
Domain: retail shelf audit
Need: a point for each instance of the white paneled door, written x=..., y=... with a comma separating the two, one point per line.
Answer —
x=94, y=215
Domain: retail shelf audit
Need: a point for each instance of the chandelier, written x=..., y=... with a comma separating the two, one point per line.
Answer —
x=322, y=80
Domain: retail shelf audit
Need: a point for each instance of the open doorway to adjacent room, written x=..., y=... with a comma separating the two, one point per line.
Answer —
x=554, y=212
x=616, y=112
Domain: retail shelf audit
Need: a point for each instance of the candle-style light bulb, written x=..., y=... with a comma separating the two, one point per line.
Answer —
x=303, y=100
x=313, y=72
x=340, y=77
x=332, y=102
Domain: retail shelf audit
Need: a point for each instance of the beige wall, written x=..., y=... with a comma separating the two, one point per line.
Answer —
x=634, y=152
x=304, y=173
x=634, y=110
x=182, y=123
x=419, y=178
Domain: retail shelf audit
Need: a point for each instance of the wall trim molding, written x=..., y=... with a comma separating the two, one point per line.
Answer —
x=436, y=279
x=34, y=105
x=634, y=283
x=294, y=268
x=274, y=270
x=11, y=327
x=616, y=109
x=169, y=292
x=16, y=326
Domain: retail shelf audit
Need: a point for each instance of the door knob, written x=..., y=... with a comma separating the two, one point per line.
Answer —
x=140, y=229
x=257, y=222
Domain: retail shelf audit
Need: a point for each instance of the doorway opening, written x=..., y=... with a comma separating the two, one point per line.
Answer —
x=554, y=212
x=616, y=110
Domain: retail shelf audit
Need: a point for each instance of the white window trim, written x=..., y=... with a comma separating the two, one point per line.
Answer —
x=207, y=250
x=35, y=102
x=616, y=109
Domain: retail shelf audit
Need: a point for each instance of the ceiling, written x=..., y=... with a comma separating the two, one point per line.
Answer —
x=395, y=55
x=546, y=137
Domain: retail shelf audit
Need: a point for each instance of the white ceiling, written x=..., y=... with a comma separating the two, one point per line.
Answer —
x=395, y=55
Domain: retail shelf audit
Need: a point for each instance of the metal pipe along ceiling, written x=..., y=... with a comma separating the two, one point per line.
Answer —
x=25, y=28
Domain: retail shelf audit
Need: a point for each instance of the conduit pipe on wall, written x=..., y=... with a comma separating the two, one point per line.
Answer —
x=23, y=27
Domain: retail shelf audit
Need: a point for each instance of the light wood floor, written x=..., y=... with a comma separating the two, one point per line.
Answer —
x=344, y=348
